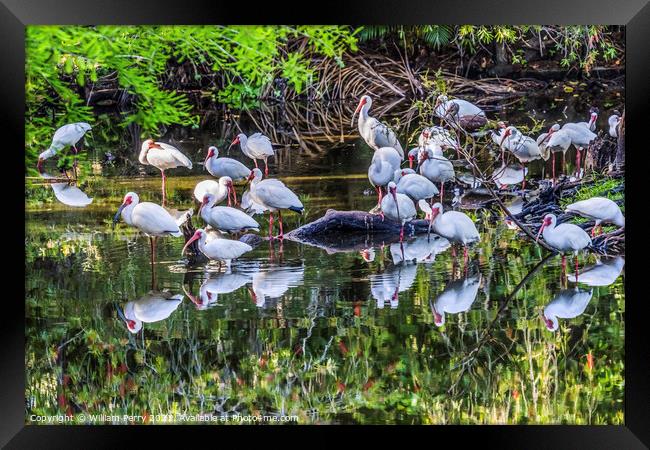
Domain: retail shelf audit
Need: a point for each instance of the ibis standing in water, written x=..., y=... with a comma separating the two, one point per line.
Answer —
x=398, y=207
x=223, y=250
x=581, y=138
x=163, y=157
x=273, y=195
x=523, y=147
x=385, y=161
x=414, y=185
x=66, y=136
x=256, y=146
x=375, y=133
x=224, y=218
x=219, y=189
x=152, y=219
x=600, y=209
x=564, y=238
x=224, y=167
x=454, y=226
x=554, y=141
x=435, y=167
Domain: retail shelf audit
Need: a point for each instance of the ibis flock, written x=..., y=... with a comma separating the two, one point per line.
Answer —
x=407, y=183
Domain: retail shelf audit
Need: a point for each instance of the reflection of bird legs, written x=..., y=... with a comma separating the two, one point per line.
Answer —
x=563, y=271
x=152, y=242
x=576, y=257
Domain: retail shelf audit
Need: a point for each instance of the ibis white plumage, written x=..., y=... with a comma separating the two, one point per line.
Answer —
x=375, y=133
x=458, y=296
x=600, y=209
x=454, y=226
x=398, y=207
x=219, y=249
x=435, y=167
x=152, y=307
x=66, y=136
x=382, y=169
x=224, y=167
x=225, y=218
x=568, y=304
x=256, y=146
x=163, y=157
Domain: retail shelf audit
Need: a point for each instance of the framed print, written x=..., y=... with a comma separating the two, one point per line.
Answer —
x=395, y=214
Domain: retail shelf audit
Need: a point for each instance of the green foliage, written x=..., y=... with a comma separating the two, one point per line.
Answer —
x=64, y=61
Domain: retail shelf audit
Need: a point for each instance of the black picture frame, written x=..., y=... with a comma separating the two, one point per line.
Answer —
x=635, y=14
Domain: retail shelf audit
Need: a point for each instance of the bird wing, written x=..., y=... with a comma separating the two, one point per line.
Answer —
x=153, y=219
x=576, y=236
x=226, y=248
x=276, y=195
x=260, y=144
x=207, y=187
x=386, y=137
x=232, y=219
x=176, y=154
x=232, y=168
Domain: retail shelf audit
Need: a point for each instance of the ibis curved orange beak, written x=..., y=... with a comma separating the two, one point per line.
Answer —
x=505, y=135
x=197, y=235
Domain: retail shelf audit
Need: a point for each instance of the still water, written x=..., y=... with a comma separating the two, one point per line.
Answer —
x=303, y=334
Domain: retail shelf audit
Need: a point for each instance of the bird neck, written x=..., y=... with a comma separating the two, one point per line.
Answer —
x=143, y=156
x=127, y=212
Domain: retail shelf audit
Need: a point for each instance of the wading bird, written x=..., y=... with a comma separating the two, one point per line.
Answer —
x=256, y=146
x=506, y=176
x=273, y=195
x=435, y=167
x=219, y=249
x=600, y=209
x=224, y=218
x=152, y=219
x=375, y=133
x=454, y=226
x=569, y=303
x=437, y=135
x=554, y=141
x=152, y=307
x=564, y=238
x=414, y=185
x=219, y=189
x=460, y=113
x=457, y=297
x=613, y=122
x=398, y=207
x=66, y=136
x=382, y=169
x=224, y=167
x=163, y=157
x=581, y=138
x=593, y=117
x=523, y=147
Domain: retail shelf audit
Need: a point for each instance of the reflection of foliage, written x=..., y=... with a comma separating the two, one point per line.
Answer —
x=323, y=352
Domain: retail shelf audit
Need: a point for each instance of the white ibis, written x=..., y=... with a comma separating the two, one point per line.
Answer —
x=222, y=250
x=457, y=297
x=256, y=146
x=506, y=176
x=435, y=167
x=564, y=238
x=163, y=157
x=219, y=189
x=437, y=135
x=151, y=219
x=224, y=167
x=581, y=138
x=251, y=206
x=66, y=136
x=419, y=250
x=497, y=135
x=154, y=306
x=273, y=195
x=613, y=122
x=523, y=147
x=603, y=273
x=568, y=304
x=591, y=124
x=385, y=287
x=398, y=207
x=225, y=218
x=375, y=133
x=413, y=156
x=274, y=282
x=461, y=113
x=382, y=168
x=414, y=185
x=454, y=226
x=68, y=194
x=222, y=283
x=554, y=141
x=600, y=209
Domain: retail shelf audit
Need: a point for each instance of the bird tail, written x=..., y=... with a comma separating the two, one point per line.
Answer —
x=297, y=209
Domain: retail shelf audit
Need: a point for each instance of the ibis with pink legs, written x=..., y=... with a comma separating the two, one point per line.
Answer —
x=565, y=238
x=163, y=157
x=454, y=226
x=256, y=146
x=581, y=138
x=225, y=218
x=385, y=161
x=600, y=209
x=224, y=167
x=523, y=147
x=273, y=195
x=375, y=133
x=555, y=140
x=219, y=249
x=435, y=167
x=151, y=219
x=398, y=207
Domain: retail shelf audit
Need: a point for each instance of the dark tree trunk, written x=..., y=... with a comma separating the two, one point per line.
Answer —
x=620, y=150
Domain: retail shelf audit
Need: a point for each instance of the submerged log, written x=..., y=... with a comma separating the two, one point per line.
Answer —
x=360, y=222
